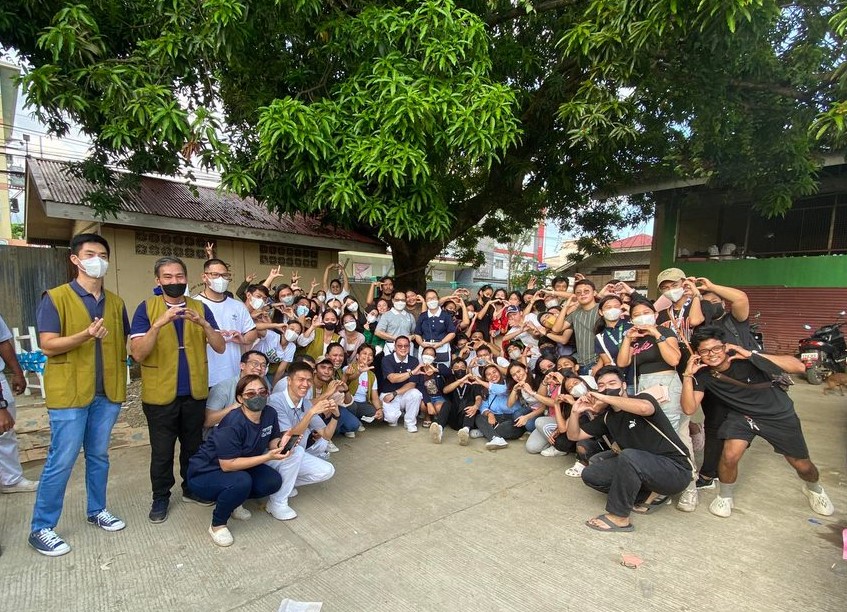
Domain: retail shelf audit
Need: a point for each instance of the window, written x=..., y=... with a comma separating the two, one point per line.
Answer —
x=279, y=255
x=499, y=263
x=160, y=244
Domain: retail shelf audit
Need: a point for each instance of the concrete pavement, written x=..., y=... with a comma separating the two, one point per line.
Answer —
x=409, y=525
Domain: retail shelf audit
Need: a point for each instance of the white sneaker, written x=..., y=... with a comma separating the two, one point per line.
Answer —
x=552, y=451
x=349, y=434
x=496, y=443
x=221, y=537
x=464, y=436
x=24, y=485
x=331, y=448
x=575, y=471
x=688, y=500
x=436, y=432
x=390, y=424
x=412, y=428
x=819, y=502
x=361, y=429
x=367, y=419
x=281, y=512
x=722, y=506
x=475, y=433
x=293, y=493
x=241, y=513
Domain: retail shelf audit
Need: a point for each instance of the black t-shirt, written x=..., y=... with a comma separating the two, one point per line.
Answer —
x=646, y=354
x=483, y=324
x=634, y=431
x=465, y=395
x=737, y=332
x=767, y=402
x=235, y=436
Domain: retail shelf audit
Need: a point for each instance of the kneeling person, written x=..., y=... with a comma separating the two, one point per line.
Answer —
x=651, y=464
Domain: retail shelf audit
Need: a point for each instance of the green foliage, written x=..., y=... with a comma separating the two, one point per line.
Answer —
x=18, y=230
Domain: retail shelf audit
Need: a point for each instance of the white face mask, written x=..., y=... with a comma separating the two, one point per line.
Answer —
x=291, y=335
x=432, y=304
x=551, y=303
x=645, y=319
x=337, y=311
x=371, y=318
x=579, y=390
x=515, y=355
x=674, y=294
x=321, y=298
x=287, y=300
x=427, y=359
x=350, y=326
x=352, y=307
x=612, y=314
x=256, y=303
x=218, y=285
x=399, y=306
x=471, y=315
x=95, y=267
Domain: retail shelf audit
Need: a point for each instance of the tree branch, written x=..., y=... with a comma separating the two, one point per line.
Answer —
x=775, y=88
x=541, y=7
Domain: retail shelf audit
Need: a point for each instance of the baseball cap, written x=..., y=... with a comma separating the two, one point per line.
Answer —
x=671, y=274
x=511, y=309
x=324, y=360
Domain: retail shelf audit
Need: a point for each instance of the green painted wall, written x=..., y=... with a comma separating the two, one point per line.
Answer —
x=820, y=271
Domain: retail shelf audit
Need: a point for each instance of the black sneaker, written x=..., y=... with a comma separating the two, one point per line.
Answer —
x=705, y=483
x=158, y=511
x=189, y=497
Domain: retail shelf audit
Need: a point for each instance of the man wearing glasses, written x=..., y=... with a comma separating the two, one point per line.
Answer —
x=747, y=383
x=221, y=399
x=399, y=386
x=234, y=320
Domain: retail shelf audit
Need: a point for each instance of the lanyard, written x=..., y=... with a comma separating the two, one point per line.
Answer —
x=611, y=337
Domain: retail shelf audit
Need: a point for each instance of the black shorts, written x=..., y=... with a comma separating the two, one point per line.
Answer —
x=784, y=434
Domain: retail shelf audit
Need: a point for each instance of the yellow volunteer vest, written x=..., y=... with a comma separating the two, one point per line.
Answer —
x=69, y=378
x=315, y=349
x=353, y=385
x=159, y=369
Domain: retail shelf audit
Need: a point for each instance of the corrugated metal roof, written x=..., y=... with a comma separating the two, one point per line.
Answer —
x=167, y=198
x=639, y=241
x=624, y=260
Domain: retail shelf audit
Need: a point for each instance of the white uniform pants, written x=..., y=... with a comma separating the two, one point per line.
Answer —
x=10, y=463
x=301, y=468
x=409, y=403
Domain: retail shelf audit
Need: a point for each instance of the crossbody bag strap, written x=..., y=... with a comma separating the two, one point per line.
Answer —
x=603, y=344
x=672, y=443
x=738, y=383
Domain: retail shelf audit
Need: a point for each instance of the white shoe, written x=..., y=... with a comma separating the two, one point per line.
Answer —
x=24, y=485
x=331, y=448
x=293, y=493
x=281, y=512
x=361, y=429
x=221, y=537
x=436, y=432
x=464, y=436
x=241, y=513
x=367, y=419
x=819, y=502
x=390, y=424
x=552, y=451
x=575, y=471
x=349, y=434
x=412, y=428
x=496, y=443
x=688, y=500
x=722, y=506
x=475, y=433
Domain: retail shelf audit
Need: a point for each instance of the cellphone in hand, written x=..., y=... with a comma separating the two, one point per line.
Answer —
x=292, y=442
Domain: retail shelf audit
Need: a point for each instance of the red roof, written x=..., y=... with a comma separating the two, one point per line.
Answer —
x=639, y=241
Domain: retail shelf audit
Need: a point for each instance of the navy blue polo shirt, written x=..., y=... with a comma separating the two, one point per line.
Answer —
x=390, y=366
x=47, y=321
x=434, y=327
x=235, y=436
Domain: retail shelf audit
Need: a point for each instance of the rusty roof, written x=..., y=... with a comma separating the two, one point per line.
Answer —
x=173, y=199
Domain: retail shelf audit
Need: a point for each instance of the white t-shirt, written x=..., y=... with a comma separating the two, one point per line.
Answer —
x=231, y=315
x=363, y=390
x=271, y=346
x=337, y=296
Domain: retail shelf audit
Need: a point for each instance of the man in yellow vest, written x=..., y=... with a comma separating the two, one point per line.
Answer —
x=168, y=338
x=82, y=331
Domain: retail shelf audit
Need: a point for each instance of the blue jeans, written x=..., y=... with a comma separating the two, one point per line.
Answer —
x=231, y=489
x=530, y=424
x=347, y=421
x=71, y=429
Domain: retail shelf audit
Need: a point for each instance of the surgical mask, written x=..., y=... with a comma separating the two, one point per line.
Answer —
x=337, y=311
x=256, y=303
x=399, y=306
x=674, y=294
x=370, y=318
x=613, y=392
x=352, y=307
x=291, y=335
x=579, y=390
x=471, y=315
x=175, y=290
x=612, y=314
x=256, y=404
x=301, y=310
x=432, y=304
x=645, y=319
x=350, y=326
x=287, y=300
x=551, y=303
x=482, y=361
x=514, y=355
x=218, y=285
x=95, y=267
x=321, y=297
x=427, y=359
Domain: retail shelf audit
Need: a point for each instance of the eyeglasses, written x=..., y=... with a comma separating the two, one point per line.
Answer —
x=715, y=350
x=252, y=394
x=257, y=364
x=401, y=346
x=225, y=275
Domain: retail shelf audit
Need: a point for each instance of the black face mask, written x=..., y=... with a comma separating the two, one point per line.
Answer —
x=330, y=326
x=613, y=392
x=176, y=290
x=718, y=311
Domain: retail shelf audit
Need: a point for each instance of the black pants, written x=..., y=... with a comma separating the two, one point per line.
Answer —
x=181, y=420
x=453, y=414
x=629, y=477
x=504, y=427
x=715, y=412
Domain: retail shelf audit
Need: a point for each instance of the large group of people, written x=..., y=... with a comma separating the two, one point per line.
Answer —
x=256, y=381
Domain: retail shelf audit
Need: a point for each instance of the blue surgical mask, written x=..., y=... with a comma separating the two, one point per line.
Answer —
x=302, y=311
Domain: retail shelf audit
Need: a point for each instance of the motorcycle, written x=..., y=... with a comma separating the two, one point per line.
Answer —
x=824, y=352
x=756, y=331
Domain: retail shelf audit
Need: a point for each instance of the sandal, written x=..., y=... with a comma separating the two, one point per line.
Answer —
x=610, y=525
x=657, y=504
x=575, y=471
x=426, y=424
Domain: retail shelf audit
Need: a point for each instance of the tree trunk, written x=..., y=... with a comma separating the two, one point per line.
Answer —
x=411, y=261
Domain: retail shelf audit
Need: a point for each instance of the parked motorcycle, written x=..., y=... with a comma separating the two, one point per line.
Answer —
x=824, y=352
x=756, y=331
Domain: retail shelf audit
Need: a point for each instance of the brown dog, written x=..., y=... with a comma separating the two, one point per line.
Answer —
x=834, y=381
